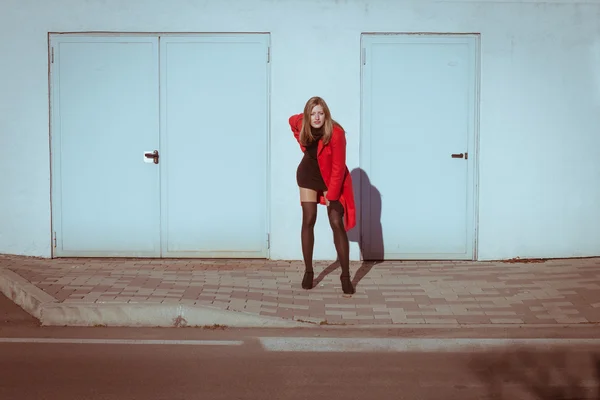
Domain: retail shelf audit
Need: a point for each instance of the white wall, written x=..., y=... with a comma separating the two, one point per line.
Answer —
x=539, y=168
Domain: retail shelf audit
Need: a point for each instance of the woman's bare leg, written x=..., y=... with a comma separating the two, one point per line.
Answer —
x=308, y=195
x=308, y=199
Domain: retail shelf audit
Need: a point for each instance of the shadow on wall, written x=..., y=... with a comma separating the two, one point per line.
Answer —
x=543, y=375
x=368, y=216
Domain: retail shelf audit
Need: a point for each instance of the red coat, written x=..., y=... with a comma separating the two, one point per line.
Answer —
x=332, y=163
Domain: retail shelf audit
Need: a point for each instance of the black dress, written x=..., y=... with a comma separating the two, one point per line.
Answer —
x=308, y=174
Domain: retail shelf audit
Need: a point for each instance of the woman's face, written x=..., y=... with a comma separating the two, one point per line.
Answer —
x=317, y=117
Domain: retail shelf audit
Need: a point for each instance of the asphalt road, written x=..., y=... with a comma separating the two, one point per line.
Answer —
x=191, y=363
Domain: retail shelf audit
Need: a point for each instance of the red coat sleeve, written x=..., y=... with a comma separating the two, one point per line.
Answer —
x=338, y=164
x=296, y=125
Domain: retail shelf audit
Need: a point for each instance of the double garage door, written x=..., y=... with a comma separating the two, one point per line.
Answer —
x=160, y=145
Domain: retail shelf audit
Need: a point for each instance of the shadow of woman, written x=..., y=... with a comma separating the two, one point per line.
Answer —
x=368, y=232
x=330, y=268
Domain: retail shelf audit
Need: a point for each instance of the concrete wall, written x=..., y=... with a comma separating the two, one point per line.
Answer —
x=539, y=163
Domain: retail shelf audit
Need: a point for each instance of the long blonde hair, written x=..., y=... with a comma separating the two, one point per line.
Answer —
x=306, y=135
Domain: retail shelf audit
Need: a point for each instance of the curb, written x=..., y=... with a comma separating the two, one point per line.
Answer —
x=154, y=315
x=23, y=293
x=51, y=312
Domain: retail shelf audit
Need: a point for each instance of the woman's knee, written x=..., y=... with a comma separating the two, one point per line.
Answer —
x=336, y=219
x=309, y=214
x=309, y=221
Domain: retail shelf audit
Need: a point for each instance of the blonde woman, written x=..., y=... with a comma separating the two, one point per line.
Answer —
x=323, y=178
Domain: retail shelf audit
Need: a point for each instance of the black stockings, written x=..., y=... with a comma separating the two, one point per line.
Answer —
x=309, y=217
x=335, y=211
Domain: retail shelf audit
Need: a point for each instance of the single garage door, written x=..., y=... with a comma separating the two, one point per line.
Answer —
x=418, y=152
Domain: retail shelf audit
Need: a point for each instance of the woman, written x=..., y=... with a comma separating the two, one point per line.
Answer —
x=323, y=178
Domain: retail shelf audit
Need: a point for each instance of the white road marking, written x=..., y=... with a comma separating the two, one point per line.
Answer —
x=124, y=341
x=345, y=345
x=340, y=345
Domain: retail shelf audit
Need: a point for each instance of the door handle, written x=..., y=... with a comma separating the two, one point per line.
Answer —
x=153, y=155
x=461, y=155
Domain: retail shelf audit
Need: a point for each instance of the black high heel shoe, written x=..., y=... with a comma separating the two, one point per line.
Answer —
x=347, y=287
x=307, y=280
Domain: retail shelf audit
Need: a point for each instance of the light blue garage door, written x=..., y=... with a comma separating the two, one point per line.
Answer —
x=418, y=153
x=159, y=145
x=214, y=96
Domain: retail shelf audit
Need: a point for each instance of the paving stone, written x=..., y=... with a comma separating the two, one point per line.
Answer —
x=408, y=292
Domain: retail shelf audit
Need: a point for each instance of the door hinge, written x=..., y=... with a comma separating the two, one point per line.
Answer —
x=54, y=239
x=466, y=156
x=364, y=56
x=52, y=56
x=268, y=241
x=268, y=54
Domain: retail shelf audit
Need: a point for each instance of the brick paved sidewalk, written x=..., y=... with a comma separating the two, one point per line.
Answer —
x=550, y=292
